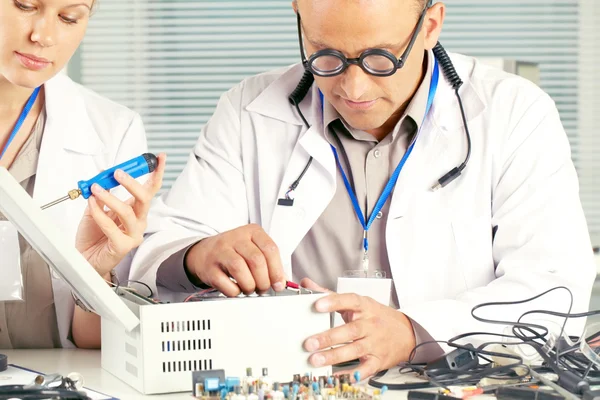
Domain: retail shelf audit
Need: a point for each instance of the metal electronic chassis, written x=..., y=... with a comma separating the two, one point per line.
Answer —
x=174, y=340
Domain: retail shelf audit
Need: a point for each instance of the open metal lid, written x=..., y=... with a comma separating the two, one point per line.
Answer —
x=45, y=237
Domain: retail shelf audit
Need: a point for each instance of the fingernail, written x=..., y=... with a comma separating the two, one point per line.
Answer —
x=312, y=344
x=278, y=286
x=97, y=188
x=318, y=360
x=119, y=173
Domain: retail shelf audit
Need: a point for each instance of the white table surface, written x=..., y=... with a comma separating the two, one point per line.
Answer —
x=87, y=363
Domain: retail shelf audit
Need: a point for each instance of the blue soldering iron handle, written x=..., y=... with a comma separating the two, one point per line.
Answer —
x=135, y=167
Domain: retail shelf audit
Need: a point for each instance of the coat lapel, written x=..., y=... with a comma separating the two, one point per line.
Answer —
x=69, y=145
x=288, y=224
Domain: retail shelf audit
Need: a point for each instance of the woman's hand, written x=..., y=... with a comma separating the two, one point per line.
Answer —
x=105, y=237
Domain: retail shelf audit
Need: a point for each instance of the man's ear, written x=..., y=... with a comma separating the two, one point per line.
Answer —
x=434, y=19
x=295, y=6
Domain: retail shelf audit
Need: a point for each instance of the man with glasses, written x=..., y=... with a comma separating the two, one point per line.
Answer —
x=341, y=179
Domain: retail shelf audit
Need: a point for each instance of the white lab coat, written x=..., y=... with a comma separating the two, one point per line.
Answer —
x=520, y=178
x=84, y=134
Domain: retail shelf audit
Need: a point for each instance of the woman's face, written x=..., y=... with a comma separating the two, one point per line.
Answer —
x=38, y=37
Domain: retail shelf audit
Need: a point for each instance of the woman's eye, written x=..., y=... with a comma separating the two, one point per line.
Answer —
x=68, y=20
x=22, y=6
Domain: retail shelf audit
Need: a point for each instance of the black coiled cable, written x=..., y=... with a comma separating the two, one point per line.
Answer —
x=301, y=90
x=295, y=99
x=454, y=79
x=447, y=66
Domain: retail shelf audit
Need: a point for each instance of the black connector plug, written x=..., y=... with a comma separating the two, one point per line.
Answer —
x=591, y=395
x=457, y=360
x=516, y=393
x=446, y=179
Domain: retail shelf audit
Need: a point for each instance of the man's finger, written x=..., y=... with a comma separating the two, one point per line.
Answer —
x=271, y=254
x=368, y=367
x=311, y=285
x=348, y=352
x=340, y=302
x=221, y=281
x=236, y=267
x=341, y=334
x=256, y=264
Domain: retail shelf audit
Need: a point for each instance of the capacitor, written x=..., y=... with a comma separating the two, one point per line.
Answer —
x=3, y=362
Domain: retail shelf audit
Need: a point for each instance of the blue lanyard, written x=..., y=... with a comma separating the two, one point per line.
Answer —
x=393, y=179
x=21, y=119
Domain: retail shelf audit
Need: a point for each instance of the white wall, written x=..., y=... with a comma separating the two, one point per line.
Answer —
x=589, y=115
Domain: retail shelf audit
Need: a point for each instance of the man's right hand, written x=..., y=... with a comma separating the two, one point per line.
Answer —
x=246, y=254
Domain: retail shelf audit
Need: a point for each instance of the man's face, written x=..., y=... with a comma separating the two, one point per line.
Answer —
x=365, y=101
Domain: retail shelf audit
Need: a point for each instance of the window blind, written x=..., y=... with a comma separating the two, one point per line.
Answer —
x=170, y=60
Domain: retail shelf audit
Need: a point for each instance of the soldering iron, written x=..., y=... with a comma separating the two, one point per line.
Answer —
x=136, y=167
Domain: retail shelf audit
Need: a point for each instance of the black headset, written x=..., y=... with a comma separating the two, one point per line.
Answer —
x=451, y=75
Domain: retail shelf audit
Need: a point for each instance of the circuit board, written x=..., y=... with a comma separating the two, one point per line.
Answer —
x=213, y=385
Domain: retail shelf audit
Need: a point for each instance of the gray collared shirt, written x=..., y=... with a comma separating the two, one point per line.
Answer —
x=334, y=244
x=30, y=323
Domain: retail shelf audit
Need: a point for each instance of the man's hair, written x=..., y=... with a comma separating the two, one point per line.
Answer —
x=419, y=4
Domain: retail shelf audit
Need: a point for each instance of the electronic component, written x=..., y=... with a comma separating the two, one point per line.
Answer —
x=418, y=395
x=3, y=362
x=460, y=359
x=517, y=393
x=213, y=385
x=200, y=378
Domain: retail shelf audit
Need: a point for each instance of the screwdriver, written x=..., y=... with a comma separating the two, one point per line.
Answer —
x=136, y=167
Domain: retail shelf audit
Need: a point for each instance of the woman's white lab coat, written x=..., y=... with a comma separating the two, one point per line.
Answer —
x=443, y=256
x=84, y=134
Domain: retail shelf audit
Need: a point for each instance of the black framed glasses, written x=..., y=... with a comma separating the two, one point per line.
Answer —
x=378, y=62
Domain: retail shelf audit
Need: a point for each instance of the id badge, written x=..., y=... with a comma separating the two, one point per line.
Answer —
x=375, y=285
x=11, y=284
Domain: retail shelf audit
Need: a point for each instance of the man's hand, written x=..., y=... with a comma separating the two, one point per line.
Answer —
x=379, y=336
x=246, y=254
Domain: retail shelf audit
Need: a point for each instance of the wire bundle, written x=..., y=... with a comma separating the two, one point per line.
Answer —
x=561, y=355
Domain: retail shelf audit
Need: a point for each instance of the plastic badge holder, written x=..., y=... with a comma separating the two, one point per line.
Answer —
x=359, y=273
x=372, y=283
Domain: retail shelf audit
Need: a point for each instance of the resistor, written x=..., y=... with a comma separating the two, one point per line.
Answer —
x=198, y=390
x=251, y=393
x=315, y=387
